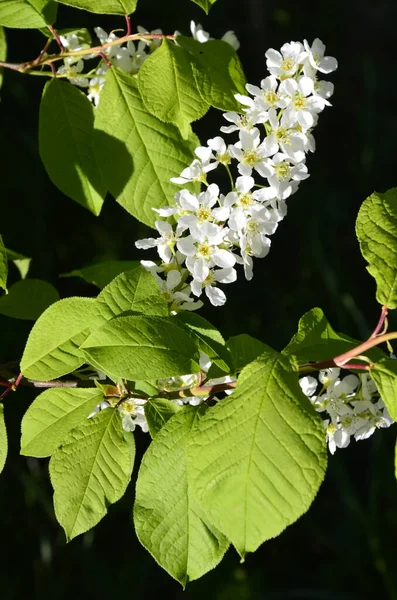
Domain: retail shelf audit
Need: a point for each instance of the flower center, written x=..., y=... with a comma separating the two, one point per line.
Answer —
x=299, y=102
x=250, y=158
x=205, y=251
x=283, y=170
x=271, y=97
x=252, y=226
x=245, y=200
x=204, y=214
x=287, y=64
x=282, y=135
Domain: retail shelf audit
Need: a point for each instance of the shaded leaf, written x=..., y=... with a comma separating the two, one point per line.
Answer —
x=157, y=148
x=104, y=272
x=168, y=87
x=3, y=265
x=3, y=51
x=21, y=262
x=208, y=339
x=217, y=70
x=66, y=144
x=205, y=4
x=28, y=299
x=244, y=349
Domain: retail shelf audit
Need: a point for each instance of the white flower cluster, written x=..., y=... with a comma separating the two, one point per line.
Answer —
x=213, y=231
x=132, y=410
x=128, y=57
x=351, y=406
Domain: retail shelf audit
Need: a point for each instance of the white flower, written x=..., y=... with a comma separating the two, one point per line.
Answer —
x=165, y=243
x=133, y=413
x=285, y=63
x=71, y=72
x=287, y=140
x=195, y=172
x=283, y=175
x=202, y=250
x=198, y=32
x=244, y=122
x=202, y=36
x=104, y=38
x=303, y=104
x=251, y=152
x=151, y=43
x=316, y=58
x=216, y=296
x=230, y=38
x=71, y=42
x=199, y=208
x=267, y=95
x=308, y=385
x=216, y=151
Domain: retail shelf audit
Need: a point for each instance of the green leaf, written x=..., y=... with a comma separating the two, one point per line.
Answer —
x=103, y=273
x=91, y=470
x=168, y=87
x=52, y=349
x=384, y=373
x=157, y=148
x=205, y=4
x=141, y=347
x=3, y=439
x=28, y=299
x=158, y=411
x=21, y=262
x=3, y=265
x=244, y=349
x=315, y=340
x=169, y=522
x=27, y=14
x=107, y=7
x=134, y=290
x=66, y=144
x=376, y=229
x=147, y=388
x=3, y=51
x=217, y=70
x=208, y=340
x=52, y=415
x=258, y=457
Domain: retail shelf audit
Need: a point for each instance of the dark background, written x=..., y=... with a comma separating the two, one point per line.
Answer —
x=345, y=546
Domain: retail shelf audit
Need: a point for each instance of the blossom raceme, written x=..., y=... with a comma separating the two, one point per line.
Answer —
x=206, y=235
x=351, y=406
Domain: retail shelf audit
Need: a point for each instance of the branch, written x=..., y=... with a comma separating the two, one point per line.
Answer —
x=48, y=60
